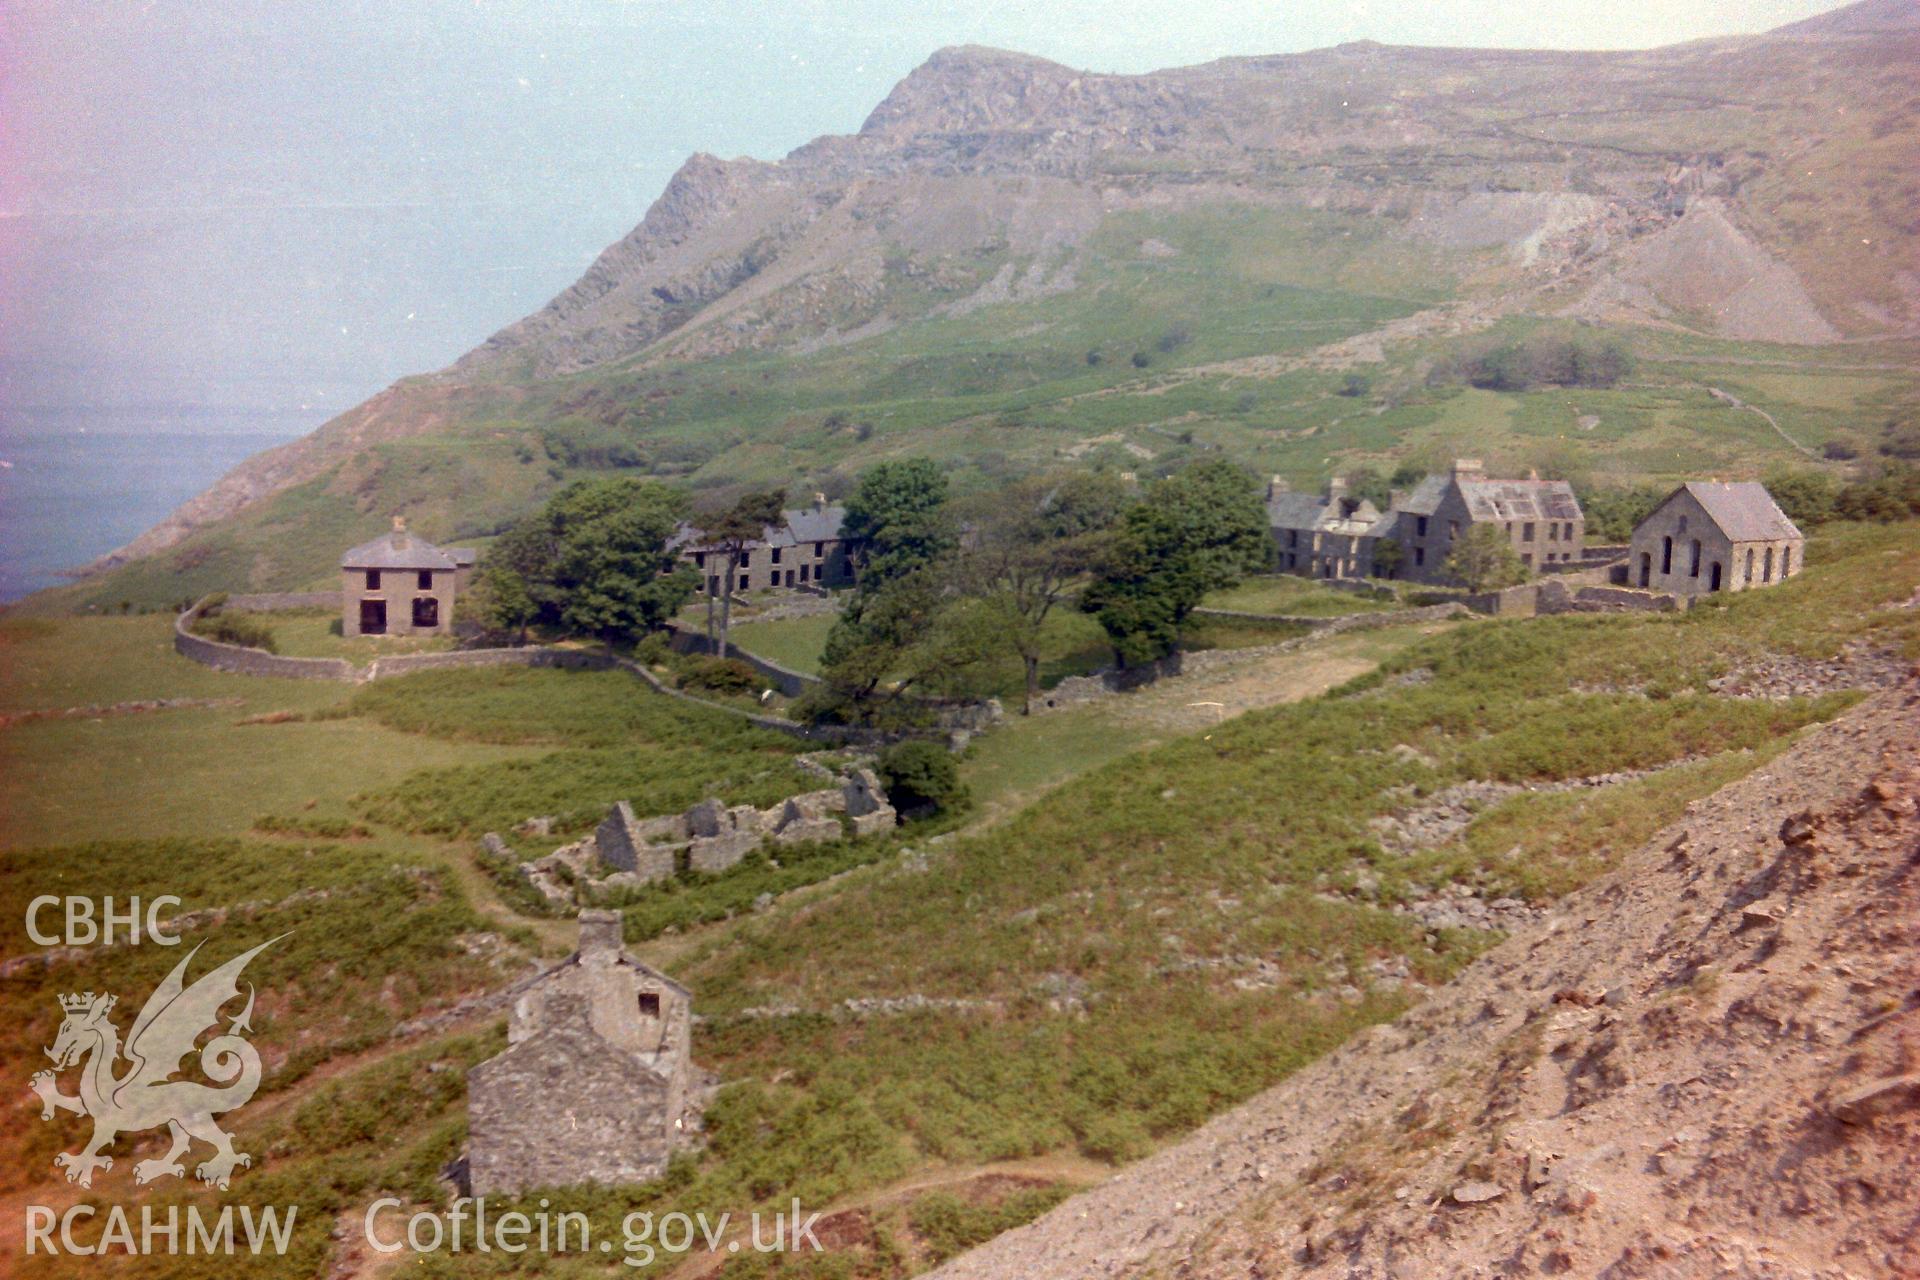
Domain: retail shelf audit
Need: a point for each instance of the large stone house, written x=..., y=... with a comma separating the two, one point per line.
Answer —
x=805, y=550
x=1541, y=518
x=1707, y=536
x=401, y=585
x=596, y=1083
x=1338, y=536
x=1329, y=536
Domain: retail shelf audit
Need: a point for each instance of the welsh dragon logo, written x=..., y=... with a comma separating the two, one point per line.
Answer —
x=144, y=1096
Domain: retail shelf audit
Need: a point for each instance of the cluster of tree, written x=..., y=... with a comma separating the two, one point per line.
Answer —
x=1883, y=495
x=593, y=562
x=945, y=586
x=1542, y=360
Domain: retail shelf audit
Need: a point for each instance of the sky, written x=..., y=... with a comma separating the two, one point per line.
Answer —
x=277, y=207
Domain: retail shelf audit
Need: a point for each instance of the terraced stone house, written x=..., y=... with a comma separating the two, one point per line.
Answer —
x=400, y=585
x=1330, y=536
x=1338, y=536
x=805, y=551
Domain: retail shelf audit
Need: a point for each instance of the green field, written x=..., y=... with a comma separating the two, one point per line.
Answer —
x=1289, y=596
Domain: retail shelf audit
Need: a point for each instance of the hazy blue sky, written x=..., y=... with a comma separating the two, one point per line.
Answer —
x=287, y=204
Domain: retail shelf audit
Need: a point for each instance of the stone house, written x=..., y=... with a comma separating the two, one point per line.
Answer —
x=597, y=1082
x=401, y=585
x=805, y=550
x=1541, y=518
x=1337, y=536
x=1323, y=537
x=1707, y=536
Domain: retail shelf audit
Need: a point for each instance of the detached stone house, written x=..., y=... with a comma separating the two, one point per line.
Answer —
x=1707, y=536
x=401, y=585
x=1323, y=537
x=804, y=551
x=1541, y=518
x=596, y=1083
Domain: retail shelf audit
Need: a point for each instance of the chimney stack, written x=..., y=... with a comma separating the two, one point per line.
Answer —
x=820, y=501
x=600, y=936
x=1469, y=469
x=1276, y=485
x=1336, y=488
x=399, y=535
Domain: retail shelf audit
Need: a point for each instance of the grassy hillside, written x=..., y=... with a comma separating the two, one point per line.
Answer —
x=1151, y=942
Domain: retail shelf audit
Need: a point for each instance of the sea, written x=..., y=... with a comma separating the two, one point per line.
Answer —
x=75, y=484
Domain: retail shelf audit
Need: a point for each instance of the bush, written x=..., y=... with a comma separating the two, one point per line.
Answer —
x=922, y=779
x=720, y=675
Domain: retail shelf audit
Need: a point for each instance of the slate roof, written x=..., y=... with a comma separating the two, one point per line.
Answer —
x=808, y=524
x=1520, y=500
x=398, y=550
x=1287, y=510
x=1426, y=496
x=1744, y=510
x=1497, y=499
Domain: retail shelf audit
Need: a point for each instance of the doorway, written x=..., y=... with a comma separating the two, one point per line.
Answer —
x=373, y=617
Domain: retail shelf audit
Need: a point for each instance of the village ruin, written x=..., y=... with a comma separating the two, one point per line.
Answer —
x=627, y=851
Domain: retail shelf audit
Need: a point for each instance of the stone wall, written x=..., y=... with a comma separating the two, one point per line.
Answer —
x=275, y=601
x=257, y=662
x=788, y=681
x=241, y=660
x=1512, y=602
x=1555, y=598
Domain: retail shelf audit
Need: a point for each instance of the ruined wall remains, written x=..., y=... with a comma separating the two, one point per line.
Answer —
x=627, y=851
x=1557, y=598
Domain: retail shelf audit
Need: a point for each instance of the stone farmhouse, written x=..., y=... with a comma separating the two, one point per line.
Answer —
x=400, y=585
x=1336, y=536
x=1707, y=536
x=804, y=552
x=596, y=1083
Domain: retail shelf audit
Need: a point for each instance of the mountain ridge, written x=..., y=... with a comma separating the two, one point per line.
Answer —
x=989, y=182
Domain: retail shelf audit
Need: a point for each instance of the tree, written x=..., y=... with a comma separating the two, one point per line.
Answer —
x=1193, y=532
x=1388, y=556
x=516, y=577
x=1028, y=546
x=1366, y=482
x=614, y=576
x=1806, y=496
x=737, y=529
x=898, y=517
x=1484, y=559
x=889, y=637
x=921, y=779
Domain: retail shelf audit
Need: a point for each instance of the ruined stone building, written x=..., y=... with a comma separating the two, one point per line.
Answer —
x=401, y=585
x=596, y=1083
x=1707, y=536
x=1541, y=518
x=1323, y=537
x=805, y=550
x=1338, y=536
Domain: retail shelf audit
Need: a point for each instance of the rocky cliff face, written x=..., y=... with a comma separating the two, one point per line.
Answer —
x=1418, y=134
